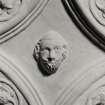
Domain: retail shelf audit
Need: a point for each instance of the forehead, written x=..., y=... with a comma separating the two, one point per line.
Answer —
x=51, y=42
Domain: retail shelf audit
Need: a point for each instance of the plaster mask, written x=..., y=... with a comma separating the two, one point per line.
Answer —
x=50, y=52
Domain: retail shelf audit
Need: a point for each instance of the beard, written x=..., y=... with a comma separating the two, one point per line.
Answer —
x=50, y=67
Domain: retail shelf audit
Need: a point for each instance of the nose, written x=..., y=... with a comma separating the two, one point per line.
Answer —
x=52, y=55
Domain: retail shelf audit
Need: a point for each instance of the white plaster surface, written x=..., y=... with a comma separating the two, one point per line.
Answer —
x=82, y=52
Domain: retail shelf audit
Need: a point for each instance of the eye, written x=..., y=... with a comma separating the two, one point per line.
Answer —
x=45, y=49
x=57, y=48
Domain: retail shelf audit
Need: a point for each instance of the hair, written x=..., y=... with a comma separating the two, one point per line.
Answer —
x=48, y=36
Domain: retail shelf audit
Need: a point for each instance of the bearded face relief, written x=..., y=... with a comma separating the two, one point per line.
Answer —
x=50, y=52
x=8, y=8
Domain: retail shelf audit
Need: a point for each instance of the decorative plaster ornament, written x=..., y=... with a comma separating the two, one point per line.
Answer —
x=9, y=8
x=97, y=97
x=16, y=15
x=8, y=95
x=50, y=52
x=90, y=16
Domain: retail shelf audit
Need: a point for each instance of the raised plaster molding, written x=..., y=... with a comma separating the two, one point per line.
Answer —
x=82, y=83
x=19, y=17
x=9, y=8
x=19, y=82
x=8, y=95
x=89, y=17
x=97, y=97
x=97, y=7
x=50, y=51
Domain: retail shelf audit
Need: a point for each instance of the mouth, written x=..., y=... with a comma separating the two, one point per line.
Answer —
x=50, y=67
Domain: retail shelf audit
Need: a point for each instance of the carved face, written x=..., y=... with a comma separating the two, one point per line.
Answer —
x=52, y=52
x=8, y=8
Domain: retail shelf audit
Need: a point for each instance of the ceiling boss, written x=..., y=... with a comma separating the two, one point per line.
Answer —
x=50, y=51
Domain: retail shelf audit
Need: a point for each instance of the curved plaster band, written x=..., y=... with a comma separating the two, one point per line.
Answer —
x=19, y=79
x=18, y=17
x=89, y=17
